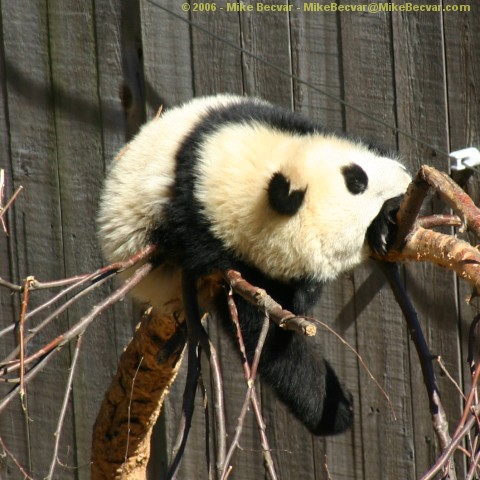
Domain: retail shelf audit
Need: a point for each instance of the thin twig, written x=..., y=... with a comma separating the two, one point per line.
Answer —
x=259, y=297
x=325, y=464
x=447, y=374
x=82, y=325
x=188, y=406
x=98, y=277
x=254, y=399
x=142, y=255
x=8, y=364
x=3, y=209
x=440, y=220
x=26, y=476
x=63, y=410
x=192, y=318
x=251, y=382
x=360, y=360
x=468, y=403
x=473, y=467
x=446, y=455
x=249, y=397
x=22, y=340
x=218, y=403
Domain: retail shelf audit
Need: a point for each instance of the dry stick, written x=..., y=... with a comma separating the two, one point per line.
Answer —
x=63, y=410
x=218, y=403
x=9, y=365
x=3, y=209
x=129, y=414
x=473, y=467
x=49, y=302
x=22, y=342
x=454, y=196
x=446, y=455
x=139, y=256
x=440, y=220
x=448, y=252
x=250, y=396
x=10, y=286
x=203, y=392
x=469, y=401
x=254, y=399
x=98, y=277
x=26, y=476
x=82, y=325
x=450, y=193
x=326, y=468
x=449, y=376
x=443, y=250
x=251, y=382
x=472, y=343
x=361, y=361
x=259, y=297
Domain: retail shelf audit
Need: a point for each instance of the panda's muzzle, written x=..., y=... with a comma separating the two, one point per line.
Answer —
x=382, y=231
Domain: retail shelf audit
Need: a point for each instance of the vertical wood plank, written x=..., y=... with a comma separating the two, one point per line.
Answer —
x=79, y=149
x=211, y=55
x=316, y=59
x=12, y=426
x=421, y=108
x=267, y=36
x=462, y=52
x=166, y=54
x=38, y=232
x=369, y=85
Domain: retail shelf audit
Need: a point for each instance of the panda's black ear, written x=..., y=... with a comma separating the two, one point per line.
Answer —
x=281, y=198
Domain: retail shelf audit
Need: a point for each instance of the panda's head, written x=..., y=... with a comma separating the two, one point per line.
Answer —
x=299, y=206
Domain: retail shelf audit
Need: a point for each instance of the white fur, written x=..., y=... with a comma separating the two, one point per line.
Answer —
x=138, y=184
x=326, y=236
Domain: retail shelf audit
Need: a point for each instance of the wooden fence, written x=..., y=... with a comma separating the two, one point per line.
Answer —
x=79, y=77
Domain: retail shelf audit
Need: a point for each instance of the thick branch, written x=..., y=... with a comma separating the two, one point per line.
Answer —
x=121, y=434
x=443, y=250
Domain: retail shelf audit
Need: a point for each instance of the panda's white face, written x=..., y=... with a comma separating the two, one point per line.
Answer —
x=344, y=185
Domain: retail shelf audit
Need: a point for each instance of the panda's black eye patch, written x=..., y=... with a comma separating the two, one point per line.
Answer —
x=355, y=177
x=281, y=198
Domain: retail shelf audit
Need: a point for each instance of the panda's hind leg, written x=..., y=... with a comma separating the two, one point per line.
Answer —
x=298, y=374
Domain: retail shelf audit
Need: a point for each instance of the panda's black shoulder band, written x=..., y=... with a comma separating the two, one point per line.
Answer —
x=281, y=198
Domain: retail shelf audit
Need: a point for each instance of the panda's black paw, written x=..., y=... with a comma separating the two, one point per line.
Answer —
x=381, y=232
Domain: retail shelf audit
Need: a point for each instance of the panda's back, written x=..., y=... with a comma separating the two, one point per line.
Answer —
x=139, y=184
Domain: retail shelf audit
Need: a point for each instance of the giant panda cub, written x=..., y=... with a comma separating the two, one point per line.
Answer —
x=233, y=182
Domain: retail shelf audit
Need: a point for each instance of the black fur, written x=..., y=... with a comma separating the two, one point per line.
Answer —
x=356, y=179
x=281, y=198
x=381, y=232
x=297, y=373
x=304, y=381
